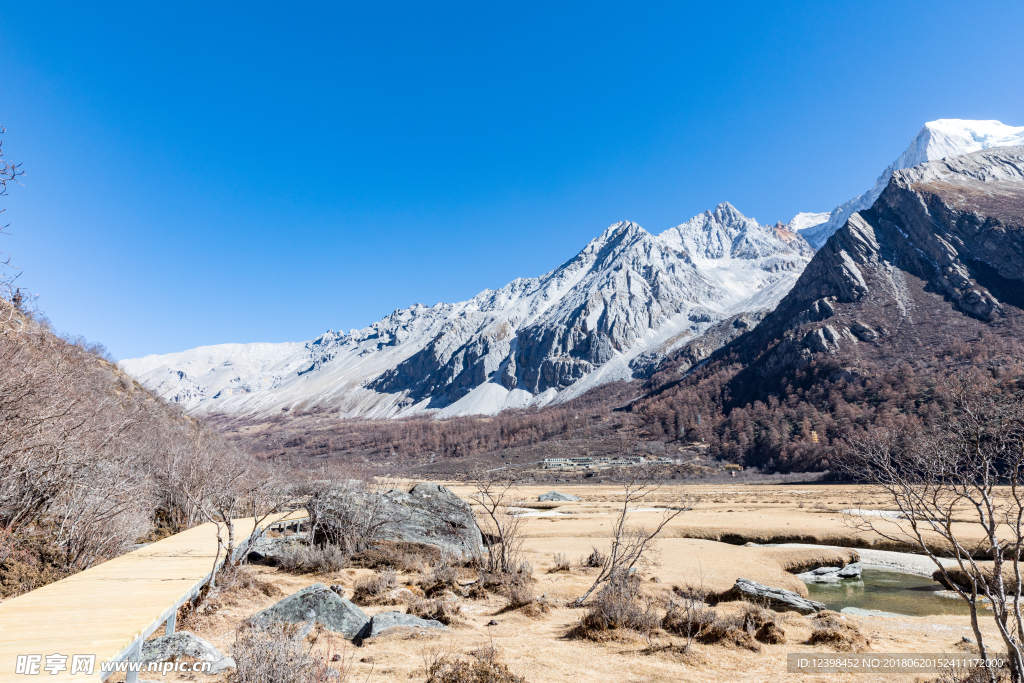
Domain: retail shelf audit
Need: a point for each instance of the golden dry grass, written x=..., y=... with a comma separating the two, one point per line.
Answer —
x=536, y=647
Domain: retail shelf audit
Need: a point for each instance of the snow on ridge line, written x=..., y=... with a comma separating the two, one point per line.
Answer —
x=533, y=341
x=936, y=140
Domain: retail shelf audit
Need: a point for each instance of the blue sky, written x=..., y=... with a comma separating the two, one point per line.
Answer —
x=199, y=173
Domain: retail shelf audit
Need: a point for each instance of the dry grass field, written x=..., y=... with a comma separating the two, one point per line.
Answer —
x=536, y=645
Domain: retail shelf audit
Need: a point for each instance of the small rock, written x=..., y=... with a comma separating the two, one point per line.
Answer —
x=556, y=496
x=339, y=589
x=367, y=660
x=967, y=640
x=185, y=644
x=336, y=658
x=850, y=571
x=492, y=622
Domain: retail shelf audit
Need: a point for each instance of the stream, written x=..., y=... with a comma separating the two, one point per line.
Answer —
x=888, y=591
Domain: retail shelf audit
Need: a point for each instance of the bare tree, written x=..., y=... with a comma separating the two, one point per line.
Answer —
x=959, y=491
x=497, y=493
x=632, y=544
x=9, y=172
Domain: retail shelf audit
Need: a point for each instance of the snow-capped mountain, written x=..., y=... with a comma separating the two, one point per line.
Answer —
x=937, y=140
x=531, y=342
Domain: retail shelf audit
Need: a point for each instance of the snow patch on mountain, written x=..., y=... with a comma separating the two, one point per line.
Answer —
x=936, y=140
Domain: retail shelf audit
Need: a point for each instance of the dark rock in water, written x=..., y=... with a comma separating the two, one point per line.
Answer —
x=556, y=496
x=427, y=513
x=317, y=604
x=776, y=598
x=184, y=644
x=388, y=620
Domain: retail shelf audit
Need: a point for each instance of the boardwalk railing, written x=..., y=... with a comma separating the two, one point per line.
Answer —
x=108, y=611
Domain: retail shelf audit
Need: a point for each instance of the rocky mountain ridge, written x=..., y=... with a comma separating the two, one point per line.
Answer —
x=937, y=140
x=939, y=256
x=626, y=294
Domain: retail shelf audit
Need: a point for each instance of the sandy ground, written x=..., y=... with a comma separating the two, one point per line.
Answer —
x=537, y=647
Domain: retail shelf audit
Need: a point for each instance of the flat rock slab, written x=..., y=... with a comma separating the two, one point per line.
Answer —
x=388, y=620
x=776, y=598
x=555, y=495
x=184, y=644
x=319, y=604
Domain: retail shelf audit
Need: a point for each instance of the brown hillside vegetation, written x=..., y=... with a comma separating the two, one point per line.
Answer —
x=90, y=461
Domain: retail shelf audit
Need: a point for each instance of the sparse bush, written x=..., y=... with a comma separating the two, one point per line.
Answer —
x=838, y=632
x=483, y=667
x=277, y=654
x=562, y=564
x=448, y=612
x=619, y=606
x=239, y=578
x=400, y=555
x=688, y=617
x=316, y=559
x=595, y=559
x=753, y=625
x=443, y=577
x=372, y=590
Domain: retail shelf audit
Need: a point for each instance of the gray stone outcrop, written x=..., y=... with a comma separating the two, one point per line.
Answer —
x=556, y=496
x=316, y=604
x=388, y=620
x=175, y=646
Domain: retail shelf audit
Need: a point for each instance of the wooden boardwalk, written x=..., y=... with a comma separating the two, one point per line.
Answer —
x=107, y=609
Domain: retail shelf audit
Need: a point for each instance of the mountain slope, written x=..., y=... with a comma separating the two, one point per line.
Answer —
x=626, y=294
x=936, y=140
x=938, y=257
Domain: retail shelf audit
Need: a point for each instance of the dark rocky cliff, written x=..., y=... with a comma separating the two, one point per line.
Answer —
x=939, y=256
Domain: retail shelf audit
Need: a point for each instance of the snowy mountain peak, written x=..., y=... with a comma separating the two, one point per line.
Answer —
x=627, y=294
x=936, y=140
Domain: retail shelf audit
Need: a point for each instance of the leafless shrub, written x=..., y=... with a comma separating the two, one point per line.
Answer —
x=318, y=559
x=595, y=560
x=371, y=590
x=240, y=579
x=619, y=606
x=443, y=577
x=277, y=654
x=499, y=523
x=482, y=666
x=562, y=564
x=688, y=614
x=400, y=555
x=447, y=612
x=838, y=632
x=631, y=545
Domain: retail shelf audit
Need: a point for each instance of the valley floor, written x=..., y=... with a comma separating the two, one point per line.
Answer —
x=690, y=553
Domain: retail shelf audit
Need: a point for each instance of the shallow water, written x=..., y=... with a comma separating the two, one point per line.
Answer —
x=887, y=591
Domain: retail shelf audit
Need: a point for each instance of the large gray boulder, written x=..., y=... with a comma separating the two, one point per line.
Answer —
x=556, y=496
x=778, y=599
x=316, y=604
x=389, y=620
x=427, y=513
x=173, y=647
